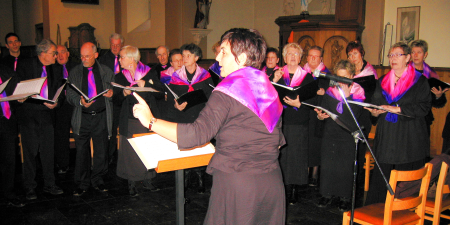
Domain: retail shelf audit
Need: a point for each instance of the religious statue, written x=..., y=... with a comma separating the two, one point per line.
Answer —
x=202, y=13
x=288, y=7
x=336, y=50
x=305, y=4
x=305, y=52
x=326, y=6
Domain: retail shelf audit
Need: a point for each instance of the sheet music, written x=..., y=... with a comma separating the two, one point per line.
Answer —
x=283, y=86
x=173, y=93
x=4, y=84
x=32, y=86
x=153, y=148
x=55, y=98
x=137, y=89
x=332, y=115
x=25, y=89
x=368, y=105
x=86, y=98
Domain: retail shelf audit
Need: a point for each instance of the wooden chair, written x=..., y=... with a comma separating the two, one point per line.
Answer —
x=368, y=166
x=396, y=211
x=435, y=206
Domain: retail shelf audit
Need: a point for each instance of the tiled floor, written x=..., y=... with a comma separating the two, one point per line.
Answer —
x=148, y=208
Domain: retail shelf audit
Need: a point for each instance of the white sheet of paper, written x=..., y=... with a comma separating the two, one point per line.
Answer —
x=154, y=148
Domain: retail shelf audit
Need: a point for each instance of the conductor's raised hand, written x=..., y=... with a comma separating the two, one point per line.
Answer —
x=141, y=111
x=108, y=94
x=180, y=107
x=277, y=75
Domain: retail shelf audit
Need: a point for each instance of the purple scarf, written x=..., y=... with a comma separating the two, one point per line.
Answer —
x=367, y=71
x=141, y=71
x=265, y=68
x=393, y=92
x=179, y=77
x=428, y=72
x=216, y=69
x=356, y=93
x=5, y=105
x=166, y=75
x=297, y=79
x=252, y=88
x=321, y=67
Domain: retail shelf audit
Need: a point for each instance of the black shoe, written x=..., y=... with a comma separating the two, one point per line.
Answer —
x=294, y=195
x=344, y=205
x=79, y=192
x=101, y=188
x=54, y=190
x=324, y=202
x=132, y=189
x=150, y=186
x=63, y=170
x=16, y=202
x=30, y=194
x=313, y=182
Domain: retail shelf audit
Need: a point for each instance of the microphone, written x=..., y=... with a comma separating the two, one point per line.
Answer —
x=332, y=77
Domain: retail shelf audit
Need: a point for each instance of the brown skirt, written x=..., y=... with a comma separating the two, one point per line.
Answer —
x=242, y=198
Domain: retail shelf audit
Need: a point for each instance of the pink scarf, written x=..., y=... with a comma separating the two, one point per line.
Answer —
x=393, y=92
x=367, y=71
x=141, y=71
x=265, y=68
x=166, y=75
x=297, y=79
x=356, y=93
x=252, y=88
x=179, y=77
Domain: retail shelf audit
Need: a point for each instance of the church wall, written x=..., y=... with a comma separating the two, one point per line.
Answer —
x=28, y=14
x=71, y=15
x=266, y=12
x=434, y=26
x=155, y=35
x=6, y=16
x=372, y=36
x=225, y=15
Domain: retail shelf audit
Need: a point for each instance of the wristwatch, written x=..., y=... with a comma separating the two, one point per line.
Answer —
x=152, y=121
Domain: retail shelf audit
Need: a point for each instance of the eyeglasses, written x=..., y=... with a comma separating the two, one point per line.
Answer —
x=52, y=53
x=87, y=57
x=396, y=55
x=293, y=54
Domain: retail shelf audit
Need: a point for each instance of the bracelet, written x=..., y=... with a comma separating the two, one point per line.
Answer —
x=152, y=121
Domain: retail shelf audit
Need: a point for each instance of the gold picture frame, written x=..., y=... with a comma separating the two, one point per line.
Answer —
x=408, y=21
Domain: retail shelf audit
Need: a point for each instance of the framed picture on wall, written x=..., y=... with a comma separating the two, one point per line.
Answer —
x=408, y=20
x=91, y=2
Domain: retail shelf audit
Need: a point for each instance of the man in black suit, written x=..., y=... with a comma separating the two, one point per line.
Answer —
x=8, y=137
x=37, y=119
x=63, y=115
x=162, y=53
x=111, y=60
x=14, y=59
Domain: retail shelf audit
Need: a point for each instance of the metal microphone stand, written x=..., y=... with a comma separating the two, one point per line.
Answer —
x=359, y=135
